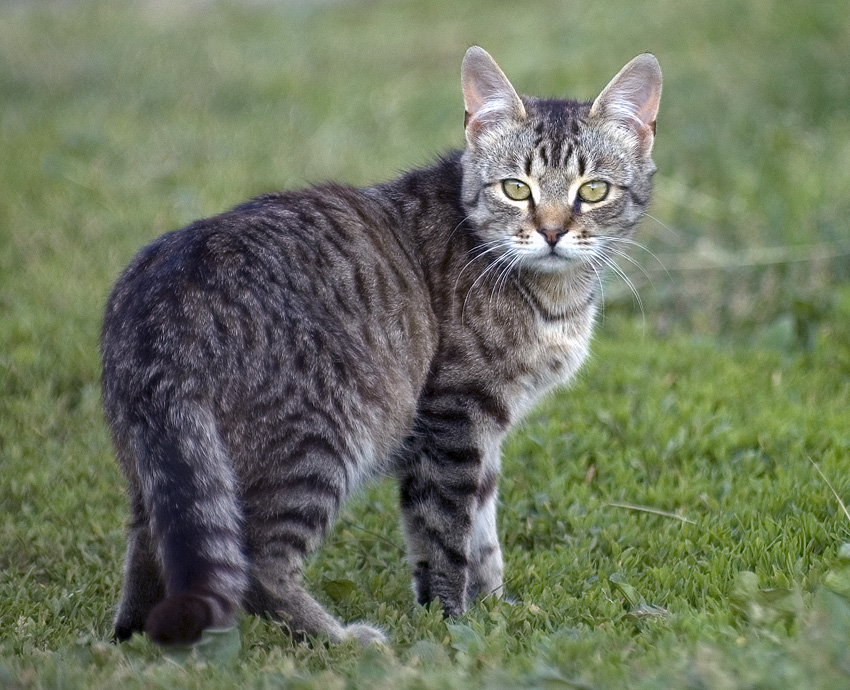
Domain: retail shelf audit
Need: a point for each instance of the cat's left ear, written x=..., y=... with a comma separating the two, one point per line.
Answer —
x=632, y=98
x=488, y=97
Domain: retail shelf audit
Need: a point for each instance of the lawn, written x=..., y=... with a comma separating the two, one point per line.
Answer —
x=674, y=520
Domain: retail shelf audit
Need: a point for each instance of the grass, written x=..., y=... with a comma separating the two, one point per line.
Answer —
x=663, y=525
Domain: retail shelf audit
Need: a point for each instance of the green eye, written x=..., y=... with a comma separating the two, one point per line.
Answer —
x=593, y=191
x=516, y=190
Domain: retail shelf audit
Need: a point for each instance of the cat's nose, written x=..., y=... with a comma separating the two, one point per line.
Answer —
x=552, y=235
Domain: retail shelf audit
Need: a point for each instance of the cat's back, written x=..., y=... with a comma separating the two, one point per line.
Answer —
x=286, y=240
x=263, y=289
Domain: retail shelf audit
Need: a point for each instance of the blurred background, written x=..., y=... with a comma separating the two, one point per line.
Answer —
x=120, y=121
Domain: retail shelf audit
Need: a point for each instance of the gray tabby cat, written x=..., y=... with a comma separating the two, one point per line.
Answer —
x=260, y=365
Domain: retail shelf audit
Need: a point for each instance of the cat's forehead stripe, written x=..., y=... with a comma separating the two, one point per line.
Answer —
x=555, y=152
x=556, y=131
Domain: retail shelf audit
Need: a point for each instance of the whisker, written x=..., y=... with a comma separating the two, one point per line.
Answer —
x=504, y=276
x=631, y=260
x=592, y=263
x=619, y=271
x=485, y=248
x=456, y=227
x=676, y=233
x=499, y=266
x=632, y=243
x=499, y=259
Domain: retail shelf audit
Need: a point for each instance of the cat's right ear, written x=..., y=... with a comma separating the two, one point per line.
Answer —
x=488, y=97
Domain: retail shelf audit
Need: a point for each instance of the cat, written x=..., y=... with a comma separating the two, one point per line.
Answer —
x=260, y=365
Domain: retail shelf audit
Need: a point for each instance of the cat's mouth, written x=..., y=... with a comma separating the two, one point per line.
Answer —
x=554, y=260
x=560, y=257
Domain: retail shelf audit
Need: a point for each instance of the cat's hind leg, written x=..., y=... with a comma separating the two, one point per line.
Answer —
x=288, y=512
x=277, y=592
x=143, y=583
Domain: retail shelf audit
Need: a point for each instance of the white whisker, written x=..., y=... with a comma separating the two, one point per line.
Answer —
x=592, y=263
x=503, y=277
x=482, y=250
x=456, y=227
x=631, y=243
x=619, y=271
x=499, y=259
x=622, y=254
x=676, y=233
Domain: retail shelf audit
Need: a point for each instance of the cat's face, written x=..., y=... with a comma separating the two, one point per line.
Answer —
x=552, y=183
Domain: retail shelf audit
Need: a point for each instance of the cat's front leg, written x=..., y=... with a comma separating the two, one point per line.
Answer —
x=447, y=470
x=485, y=554
x=438, y=507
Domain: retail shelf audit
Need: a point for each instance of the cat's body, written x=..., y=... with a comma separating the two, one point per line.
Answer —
x=260, y=365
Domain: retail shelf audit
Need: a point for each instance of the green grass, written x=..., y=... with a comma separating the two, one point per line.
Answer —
x=119, y=122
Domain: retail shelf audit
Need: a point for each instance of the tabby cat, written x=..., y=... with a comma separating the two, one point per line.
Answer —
x=260, y=365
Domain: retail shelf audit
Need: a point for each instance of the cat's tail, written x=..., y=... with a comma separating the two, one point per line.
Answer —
x=190, y=490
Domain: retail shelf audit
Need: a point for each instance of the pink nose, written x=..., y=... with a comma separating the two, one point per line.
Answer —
x=552, y=235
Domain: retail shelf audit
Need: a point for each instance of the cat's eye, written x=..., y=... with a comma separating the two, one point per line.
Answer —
x=593, y=191
x=516, y=190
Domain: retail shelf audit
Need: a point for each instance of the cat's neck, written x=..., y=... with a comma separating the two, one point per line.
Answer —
x=419, y=194
x=571, y=290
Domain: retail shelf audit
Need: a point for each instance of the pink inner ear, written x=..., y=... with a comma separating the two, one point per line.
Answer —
x=632, y=102
x=647, y=111
x=632, y=97
x=488, y=96
x=472, y=125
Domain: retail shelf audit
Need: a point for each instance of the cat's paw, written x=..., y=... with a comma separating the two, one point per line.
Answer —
x=364, y=634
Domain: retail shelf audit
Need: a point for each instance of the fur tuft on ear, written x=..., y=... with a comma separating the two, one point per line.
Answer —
x=488, y=96
x=632, y=98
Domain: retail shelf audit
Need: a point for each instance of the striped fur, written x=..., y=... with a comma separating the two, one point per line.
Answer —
x=260, y=365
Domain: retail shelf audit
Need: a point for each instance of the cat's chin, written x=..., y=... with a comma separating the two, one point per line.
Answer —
x=553, y=264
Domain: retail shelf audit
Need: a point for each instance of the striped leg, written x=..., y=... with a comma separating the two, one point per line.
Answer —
x=143, y=584
x=485, y=564
x=437, y=526
x=442, y=477
x=289, y=513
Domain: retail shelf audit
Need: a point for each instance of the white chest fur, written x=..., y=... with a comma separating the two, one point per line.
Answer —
x=553, y=358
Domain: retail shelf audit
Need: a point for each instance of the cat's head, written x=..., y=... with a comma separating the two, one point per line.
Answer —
x=553, y=183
